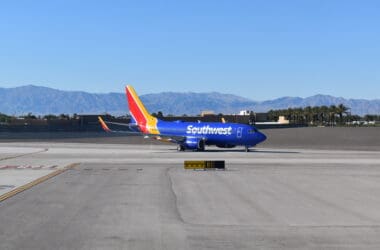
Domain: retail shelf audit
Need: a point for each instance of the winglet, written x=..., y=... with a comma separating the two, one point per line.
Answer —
x=103, y=124
x=223, y=120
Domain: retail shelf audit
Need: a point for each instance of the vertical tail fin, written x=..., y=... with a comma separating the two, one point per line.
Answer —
x=146, y=122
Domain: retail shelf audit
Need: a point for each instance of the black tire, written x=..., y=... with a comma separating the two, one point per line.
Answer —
x=201, y=145
x=180, y=147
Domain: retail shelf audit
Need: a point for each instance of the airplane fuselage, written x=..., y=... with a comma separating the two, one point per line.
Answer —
x=213, y=133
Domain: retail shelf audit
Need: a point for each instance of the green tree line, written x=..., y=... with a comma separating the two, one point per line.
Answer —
x=316, y=115
x=30, y=116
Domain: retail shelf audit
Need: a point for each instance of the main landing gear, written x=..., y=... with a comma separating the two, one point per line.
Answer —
x=246, y=148
x=201, y=145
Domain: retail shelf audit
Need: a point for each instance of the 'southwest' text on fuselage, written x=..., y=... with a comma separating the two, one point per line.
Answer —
x=207, y=130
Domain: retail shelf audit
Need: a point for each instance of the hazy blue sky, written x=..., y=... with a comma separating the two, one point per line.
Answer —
x=256, y=49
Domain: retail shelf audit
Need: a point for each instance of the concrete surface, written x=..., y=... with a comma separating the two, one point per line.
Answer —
x=140, y=197
x=335, y=138
x=17, y=168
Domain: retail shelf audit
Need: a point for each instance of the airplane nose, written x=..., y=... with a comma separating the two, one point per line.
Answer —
x=260, y=137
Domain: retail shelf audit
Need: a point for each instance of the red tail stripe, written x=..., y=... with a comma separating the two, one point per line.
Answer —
x=136, y=112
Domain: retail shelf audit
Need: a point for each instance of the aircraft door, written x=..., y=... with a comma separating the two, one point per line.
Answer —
x=239, y=132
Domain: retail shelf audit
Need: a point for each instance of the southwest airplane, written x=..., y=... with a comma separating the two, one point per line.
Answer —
x=187, y=135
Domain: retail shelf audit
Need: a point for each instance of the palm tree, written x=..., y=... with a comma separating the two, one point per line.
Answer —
x=316, y=110
x=299, y=115
x=64, y=117
x=4, y=117
x=324, y=110
x=50, y=117
x=272, y=115
x=332, y=112
x=308, y=112
x=290, y=114
x=341, y=109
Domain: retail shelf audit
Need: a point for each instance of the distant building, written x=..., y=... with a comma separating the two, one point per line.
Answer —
x=282, y=120
x=207, y=112
x=244, y=112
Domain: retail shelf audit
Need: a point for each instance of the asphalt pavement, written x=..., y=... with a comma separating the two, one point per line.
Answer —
x=140, y=197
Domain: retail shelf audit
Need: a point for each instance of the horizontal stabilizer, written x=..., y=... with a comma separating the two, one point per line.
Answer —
x=103, y=124
x=133, y=128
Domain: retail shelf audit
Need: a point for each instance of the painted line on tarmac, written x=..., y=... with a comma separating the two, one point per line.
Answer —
x=16, y=156
x=36, y=182
x=26, y=166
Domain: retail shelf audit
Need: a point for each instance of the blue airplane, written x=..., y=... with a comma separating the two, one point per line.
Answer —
x=187, y=135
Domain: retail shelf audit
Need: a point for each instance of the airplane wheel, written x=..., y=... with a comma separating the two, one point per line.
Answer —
x=201, y=146
x=246, y=149
x=180, y=148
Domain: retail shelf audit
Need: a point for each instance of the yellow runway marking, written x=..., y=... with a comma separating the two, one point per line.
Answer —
x=35, y=182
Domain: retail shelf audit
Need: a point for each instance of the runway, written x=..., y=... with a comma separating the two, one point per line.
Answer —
x=140, y=197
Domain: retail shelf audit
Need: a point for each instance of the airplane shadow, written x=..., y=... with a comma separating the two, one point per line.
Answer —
x=237, y=151
x=252, y=151
x=275, y=151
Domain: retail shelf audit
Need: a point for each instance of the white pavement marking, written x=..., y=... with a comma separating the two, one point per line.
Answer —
x=18, y=165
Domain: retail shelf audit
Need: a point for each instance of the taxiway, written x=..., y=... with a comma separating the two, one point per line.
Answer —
x=140, y=197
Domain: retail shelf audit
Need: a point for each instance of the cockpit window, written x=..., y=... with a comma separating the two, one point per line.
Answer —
x=252, y=131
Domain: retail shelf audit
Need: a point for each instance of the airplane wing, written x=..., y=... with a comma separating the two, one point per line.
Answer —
x=159, y=137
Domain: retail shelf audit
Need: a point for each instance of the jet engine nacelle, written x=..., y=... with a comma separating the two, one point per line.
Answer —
x=225, y=145
x=194, y=143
